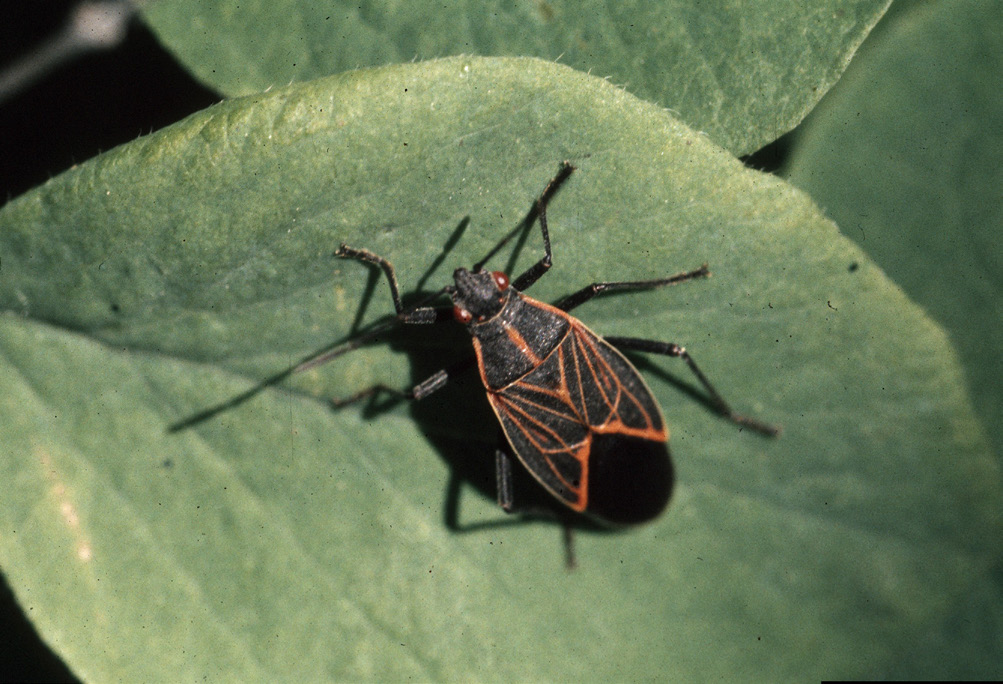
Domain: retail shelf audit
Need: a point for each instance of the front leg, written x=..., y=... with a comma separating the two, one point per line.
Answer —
x=576, y=299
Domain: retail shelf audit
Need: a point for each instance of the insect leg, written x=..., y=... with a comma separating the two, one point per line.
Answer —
x=431, y=384
x=586, y=293
x=674, y=350
x=525, y=280
x=419, y=391
x=415, y=315
x=506, y=499
x=503, y=478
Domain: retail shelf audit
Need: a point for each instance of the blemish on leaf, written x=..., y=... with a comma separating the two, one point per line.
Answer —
x=546, y=10
x=64, y=502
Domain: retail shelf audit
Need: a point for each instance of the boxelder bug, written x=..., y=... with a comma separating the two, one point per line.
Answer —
x=574, y=411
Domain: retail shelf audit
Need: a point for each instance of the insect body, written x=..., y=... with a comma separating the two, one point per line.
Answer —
x=576, y=413
x=573, y=409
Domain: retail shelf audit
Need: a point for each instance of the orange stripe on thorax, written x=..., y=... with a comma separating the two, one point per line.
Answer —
x=520, y=342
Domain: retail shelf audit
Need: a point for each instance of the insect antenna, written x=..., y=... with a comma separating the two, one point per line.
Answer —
x=523, y=226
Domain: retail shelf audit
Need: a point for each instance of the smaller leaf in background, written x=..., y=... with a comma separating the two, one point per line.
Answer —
x=744, y=73
x=905, y=154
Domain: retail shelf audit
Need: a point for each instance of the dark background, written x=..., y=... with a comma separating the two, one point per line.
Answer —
x=86, y=106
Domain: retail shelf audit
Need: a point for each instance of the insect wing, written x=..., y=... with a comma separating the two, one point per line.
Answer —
x=584, y=406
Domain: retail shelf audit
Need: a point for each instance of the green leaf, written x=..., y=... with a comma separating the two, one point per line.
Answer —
x=282, y=539
x=745, y=73
x=905, y=157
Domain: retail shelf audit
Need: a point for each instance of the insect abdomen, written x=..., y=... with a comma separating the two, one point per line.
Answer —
x=630, y=479
x=585, y=425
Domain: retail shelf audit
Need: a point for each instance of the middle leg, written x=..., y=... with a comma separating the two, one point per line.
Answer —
x=679, y=352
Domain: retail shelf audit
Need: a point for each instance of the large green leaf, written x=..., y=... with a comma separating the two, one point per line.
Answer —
x=284, y=539
x=743, y=72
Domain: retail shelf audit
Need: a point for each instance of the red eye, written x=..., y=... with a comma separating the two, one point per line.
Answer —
x=462, y=315
x=501, y=280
